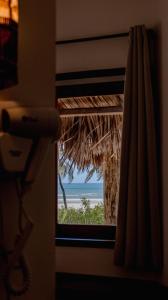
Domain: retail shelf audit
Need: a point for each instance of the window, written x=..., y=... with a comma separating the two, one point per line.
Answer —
x=91, y=106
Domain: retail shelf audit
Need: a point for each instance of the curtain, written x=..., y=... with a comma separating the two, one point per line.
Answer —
x=8, y=42
x=138, y=234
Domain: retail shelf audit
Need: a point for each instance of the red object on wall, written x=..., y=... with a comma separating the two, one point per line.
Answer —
x=8, y=55
x=8, y=42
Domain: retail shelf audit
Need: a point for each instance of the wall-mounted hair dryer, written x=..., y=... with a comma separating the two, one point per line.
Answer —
x=24, y=138
x=25, y=133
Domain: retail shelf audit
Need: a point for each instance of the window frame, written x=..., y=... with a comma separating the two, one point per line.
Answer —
x=99, y=236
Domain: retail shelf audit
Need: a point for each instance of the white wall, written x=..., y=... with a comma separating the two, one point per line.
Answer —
x=90, y=18
x=97, y=17
x=36, y=87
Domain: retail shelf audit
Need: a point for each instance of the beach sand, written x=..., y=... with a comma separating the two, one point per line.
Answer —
x=76, y=203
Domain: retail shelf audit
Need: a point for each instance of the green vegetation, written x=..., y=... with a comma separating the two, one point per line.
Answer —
x=83, y=215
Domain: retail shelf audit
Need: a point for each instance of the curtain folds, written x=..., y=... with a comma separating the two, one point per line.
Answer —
x=138, y=235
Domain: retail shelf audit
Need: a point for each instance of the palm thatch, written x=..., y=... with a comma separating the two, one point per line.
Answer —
x=93, y=143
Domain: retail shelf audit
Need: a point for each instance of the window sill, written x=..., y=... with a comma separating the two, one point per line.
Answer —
x=91, y=236
x=88, y=243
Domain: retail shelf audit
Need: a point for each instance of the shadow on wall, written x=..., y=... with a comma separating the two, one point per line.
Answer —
x=75, y=286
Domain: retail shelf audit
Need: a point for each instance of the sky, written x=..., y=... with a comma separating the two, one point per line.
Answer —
x=80, y=178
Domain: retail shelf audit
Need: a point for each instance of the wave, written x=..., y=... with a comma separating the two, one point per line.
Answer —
x=78, y=200
x=82, y=190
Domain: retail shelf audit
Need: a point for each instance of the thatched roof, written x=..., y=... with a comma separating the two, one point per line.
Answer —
x=90, y=101
x=87, y=140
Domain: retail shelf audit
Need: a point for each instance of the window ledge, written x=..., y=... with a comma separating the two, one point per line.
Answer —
x=79, y=242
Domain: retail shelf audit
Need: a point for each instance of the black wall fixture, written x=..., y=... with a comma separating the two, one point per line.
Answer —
x=96, y=38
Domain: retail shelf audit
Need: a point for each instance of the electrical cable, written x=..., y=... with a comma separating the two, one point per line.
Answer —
x=22, y=264
x=3, y=252
x=24, y=269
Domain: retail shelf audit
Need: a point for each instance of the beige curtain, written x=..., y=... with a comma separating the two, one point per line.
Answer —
x=138, y=235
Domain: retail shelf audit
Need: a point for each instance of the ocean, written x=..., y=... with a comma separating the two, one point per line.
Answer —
x=76, y=191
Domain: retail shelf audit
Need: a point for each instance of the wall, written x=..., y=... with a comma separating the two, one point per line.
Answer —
x=163, y=64
x=36, y=87
x=88, y=18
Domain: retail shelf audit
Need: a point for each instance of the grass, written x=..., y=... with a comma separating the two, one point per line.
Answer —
x=83, y=215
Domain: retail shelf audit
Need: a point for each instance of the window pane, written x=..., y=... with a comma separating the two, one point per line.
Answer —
x=88, y=160
x=80, y=202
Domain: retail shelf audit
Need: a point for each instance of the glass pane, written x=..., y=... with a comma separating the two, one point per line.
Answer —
x=89, y=160
x=80, y=202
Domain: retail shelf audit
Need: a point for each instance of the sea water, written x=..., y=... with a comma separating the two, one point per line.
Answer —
x=77, y=191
